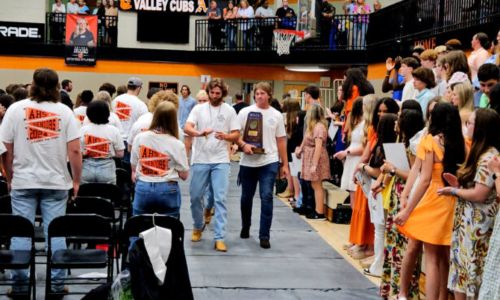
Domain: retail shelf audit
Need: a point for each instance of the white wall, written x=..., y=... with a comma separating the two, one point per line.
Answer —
x=29, y=11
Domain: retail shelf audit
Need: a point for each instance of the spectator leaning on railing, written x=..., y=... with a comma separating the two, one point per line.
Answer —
x=287, y=16
x=215, y=25
x=266, y=25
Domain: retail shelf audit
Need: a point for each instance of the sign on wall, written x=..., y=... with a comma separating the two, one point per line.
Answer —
x=172, y=6
x=172, y=86
x=22, y=32
x=81, y=40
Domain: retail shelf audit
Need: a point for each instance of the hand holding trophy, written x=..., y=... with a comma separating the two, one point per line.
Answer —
x=253, y=133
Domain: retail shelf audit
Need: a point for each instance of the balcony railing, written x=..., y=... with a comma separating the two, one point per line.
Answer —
x=416, y=19
x=106, y=29
x=343, y=32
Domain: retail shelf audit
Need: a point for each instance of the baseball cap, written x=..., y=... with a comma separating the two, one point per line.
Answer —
x=134, y=81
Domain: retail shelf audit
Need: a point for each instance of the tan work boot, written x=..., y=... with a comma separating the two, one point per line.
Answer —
x=207, y=215
x=196, y=236
x=220, y=246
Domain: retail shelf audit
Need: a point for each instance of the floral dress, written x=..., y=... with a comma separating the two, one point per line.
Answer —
x=472, y=230
x=323, y=167
x=395, y=247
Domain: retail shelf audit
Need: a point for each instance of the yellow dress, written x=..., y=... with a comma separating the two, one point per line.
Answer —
x=432, y=219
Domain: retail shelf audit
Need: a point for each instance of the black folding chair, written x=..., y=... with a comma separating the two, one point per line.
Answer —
x=102, y=207
x=5, y=204
x=178, y=275
x=17, y=226
x=4, y=190
x=140, y=223
x=124, y=182
x=80, y=228
x=107, y=191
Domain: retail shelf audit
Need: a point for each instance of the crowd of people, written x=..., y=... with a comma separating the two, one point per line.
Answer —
x=439, y=202
x=243, y=25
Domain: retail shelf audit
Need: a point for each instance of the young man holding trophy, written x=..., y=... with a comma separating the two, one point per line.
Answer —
x=264, y=146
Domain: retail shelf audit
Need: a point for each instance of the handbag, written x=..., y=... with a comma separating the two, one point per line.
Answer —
x=280, y=184
x=342, y=214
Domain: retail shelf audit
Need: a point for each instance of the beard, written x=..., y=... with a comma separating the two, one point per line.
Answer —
x=215, y=101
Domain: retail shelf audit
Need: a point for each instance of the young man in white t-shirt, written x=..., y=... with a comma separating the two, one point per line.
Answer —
x=408, y=64
x=261, y=168
x=129, y=108
x=211, y=125
x=41, y=135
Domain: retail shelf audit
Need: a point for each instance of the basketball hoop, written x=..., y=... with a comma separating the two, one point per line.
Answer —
x=284, y=38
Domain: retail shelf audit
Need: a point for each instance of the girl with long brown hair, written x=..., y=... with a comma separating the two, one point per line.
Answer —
x=158, y=161
x=475, y=190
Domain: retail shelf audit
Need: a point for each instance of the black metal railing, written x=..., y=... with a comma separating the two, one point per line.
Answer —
x=416, y=19
x=106, y=29
x=342, y=32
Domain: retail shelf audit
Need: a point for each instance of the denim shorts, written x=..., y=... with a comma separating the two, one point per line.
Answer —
x=157, y=197
x=99, y=170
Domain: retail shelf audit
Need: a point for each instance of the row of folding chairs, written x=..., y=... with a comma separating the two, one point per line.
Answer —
x=79, y=229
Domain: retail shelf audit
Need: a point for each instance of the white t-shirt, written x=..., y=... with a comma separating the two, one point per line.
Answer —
x=128, y=108
x=409, y=91
x=264, y=12
x=273, y=127
x=142, y=124
x=80, y=113
x=113, y=120
x=100, y=140
x=40, y=133
x=72, y=8
x=209, y=150
x=158, y=157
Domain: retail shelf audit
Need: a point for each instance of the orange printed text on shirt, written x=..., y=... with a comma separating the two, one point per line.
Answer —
x=41, y=125
x=123, y=110
x=96, y=147
x=153, y=163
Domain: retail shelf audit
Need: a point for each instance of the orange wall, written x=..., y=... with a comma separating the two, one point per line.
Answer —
x=157, y=68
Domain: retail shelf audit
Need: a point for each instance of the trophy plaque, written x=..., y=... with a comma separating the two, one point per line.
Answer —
x=253, y=132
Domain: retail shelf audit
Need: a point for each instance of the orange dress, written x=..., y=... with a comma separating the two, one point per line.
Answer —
x=362, y=231
x=350, y=101
x=432, y=219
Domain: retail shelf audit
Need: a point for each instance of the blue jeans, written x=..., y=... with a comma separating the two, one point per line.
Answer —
x=52, y=205
x=126, y=154
x=99, y=170
x=217, y=176
x=231, y=36
x=157, y=197
x=248, y=178
x=209, y=198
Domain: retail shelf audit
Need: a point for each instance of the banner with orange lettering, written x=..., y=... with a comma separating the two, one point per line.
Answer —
x=81, y=40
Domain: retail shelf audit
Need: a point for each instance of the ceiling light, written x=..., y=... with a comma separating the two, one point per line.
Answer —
x=306, y=69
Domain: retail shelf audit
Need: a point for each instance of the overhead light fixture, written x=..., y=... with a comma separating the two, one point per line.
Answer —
x=307, y=69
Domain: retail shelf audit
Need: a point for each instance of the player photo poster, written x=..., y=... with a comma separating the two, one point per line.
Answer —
x=81, y=40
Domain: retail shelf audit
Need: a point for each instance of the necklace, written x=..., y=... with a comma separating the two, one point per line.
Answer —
x=218, y=114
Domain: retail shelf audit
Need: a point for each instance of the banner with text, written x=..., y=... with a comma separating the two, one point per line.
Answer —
x=18, y=32
x=81, y=40
x=166, y=6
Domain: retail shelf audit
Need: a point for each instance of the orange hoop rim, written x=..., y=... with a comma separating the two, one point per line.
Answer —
x=300, y=34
